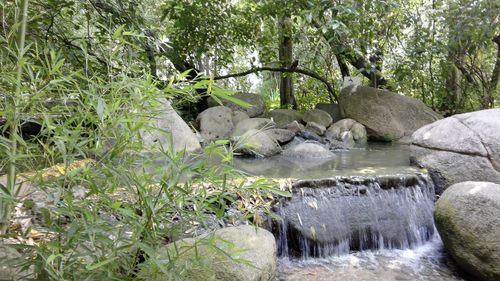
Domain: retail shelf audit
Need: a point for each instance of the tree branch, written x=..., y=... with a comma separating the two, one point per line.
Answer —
x=306, y=72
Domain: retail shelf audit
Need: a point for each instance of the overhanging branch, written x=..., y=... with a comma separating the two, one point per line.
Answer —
x=306, y=72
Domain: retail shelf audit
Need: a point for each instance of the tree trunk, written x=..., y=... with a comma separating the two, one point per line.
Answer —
x=453, y=99
x=495, y=76
x=287, y=97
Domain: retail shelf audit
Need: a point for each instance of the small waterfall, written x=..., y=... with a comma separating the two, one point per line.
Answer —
x=338, y=215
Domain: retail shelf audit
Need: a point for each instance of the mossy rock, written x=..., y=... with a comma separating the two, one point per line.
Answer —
x=242, y=253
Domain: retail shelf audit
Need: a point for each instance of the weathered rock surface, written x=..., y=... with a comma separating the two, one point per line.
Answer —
x=238, y=116
x=468, y=219
x=283, y=117
x=247, y=253
x=283, y=136
x=215, y=123
x=464, y=147
x=387, y=116
x=318, y=116
x=308, y=150
x=332, y=109
x=257, y=143
x=316, y=128
x=168, y=120
x=338, y=130
x=246, y=125
x=256, y=102
x=295, y=127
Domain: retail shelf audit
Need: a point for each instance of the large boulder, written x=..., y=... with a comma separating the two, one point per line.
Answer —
x=243, y=253
x=318, y=116
x=168, y=129
x=308, y=150
x=257, y=143
x=255, y=108
x=331, y=108
x=252, y=123
x=215, y=123
x=467, y=217
x=387, y=116
x=283, y=117
x=464, y=147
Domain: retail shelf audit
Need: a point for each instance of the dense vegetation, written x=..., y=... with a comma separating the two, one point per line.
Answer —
x=90, y=74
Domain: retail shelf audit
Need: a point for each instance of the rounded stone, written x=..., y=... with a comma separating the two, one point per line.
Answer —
x=215, y=123
x=467, y=216
x=308, y=150
x=244, y=253
x=318, y=116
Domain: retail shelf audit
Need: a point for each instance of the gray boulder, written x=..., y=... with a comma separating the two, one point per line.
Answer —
x=243, y=253
x=252, y=123
x=281, y=135
x=215, y=123
x=316, y=128
x=257, y=143
x=178, y=135
x=331, y=108
x=308, y=150
x=256, y=102
x=467, y=218
x=460, y=148
x=295, y=127
x=283, y=117
x=318, y=116
x=338, y=130
x=387, y=116
x=238, y=116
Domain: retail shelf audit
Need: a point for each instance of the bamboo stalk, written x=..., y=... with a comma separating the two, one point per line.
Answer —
x=6, y=204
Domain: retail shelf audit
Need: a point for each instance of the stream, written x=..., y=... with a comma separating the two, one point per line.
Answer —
x=364, y=215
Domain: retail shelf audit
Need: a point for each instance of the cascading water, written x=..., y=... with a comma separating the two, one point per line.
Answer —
x=356, y=224
x=335, y=216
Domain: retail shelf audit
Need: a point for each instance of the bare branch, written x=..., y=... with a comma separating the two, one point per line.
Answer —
x=306, y=72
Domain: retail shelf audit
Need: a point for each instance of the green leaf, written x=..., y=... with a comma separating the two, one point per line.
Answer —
x=5, y=190
x=118, y=31
x=232, y=99
x=100, y=264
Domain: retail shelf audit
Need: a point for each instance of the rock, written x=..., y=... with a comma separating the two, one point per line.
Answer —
x=256, y=102
x=338, y=131
x=308, y=135
x=464, y=147
x=281, y=135
x=252, y=123
x=318, y=116
x=247, y=253
x=387, y=116
x=283, y=117
x=167, y=119
x=331, y=108
x=468, y=221
x=239, y=116
x=308, y=150
x=295, y=127
x=257, y=143
x=315, y=128
x=215, y=123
